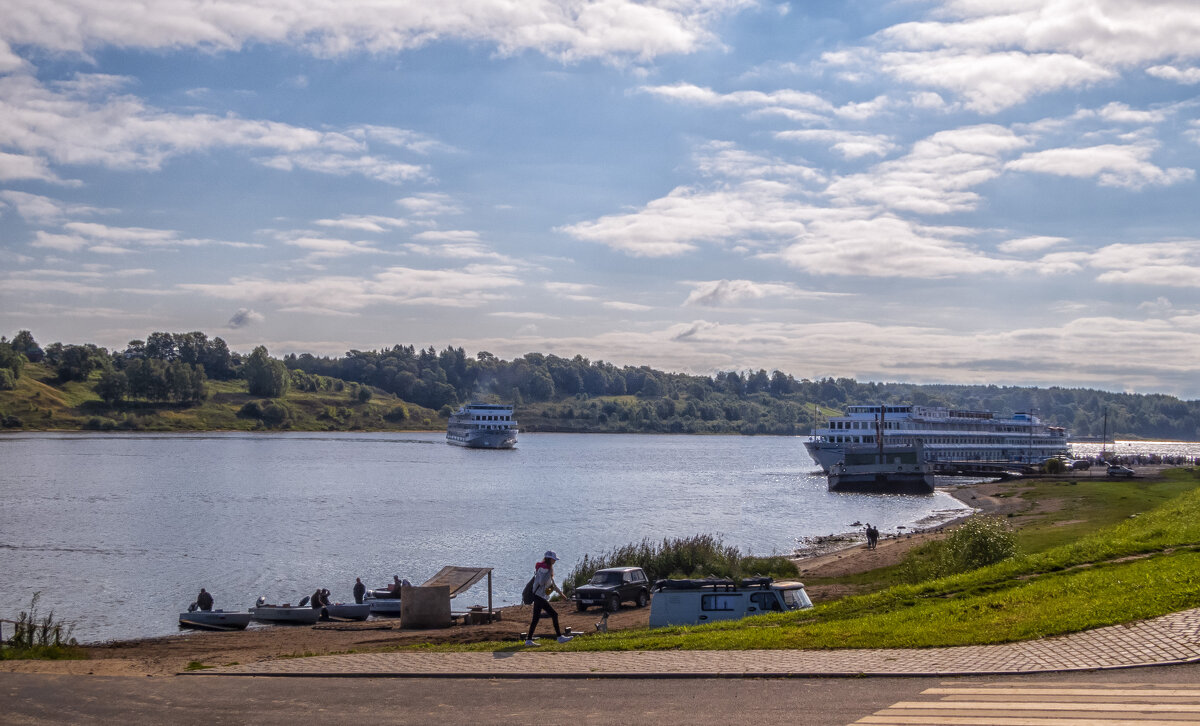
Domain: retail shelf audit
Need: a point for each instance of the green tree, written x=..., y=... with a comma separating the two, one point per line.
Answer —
x=11, y=360
x=24, y=344
x=265, y=375
x=112, y=387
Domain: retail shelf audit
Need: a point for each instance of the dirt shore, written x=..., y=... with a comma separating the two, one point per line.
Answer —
x=169, y=655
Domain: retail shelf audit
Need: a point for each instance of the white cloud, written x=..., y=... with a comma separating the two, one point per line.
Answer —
x=39, y=209
x=1111, y=164
x=81, y=122
x=14, y=167
x=430, y=204
x=719, y=293
x=626, y=306
x=323, y=248
x=849, y=144
x=364, y=222
x=1187, y=76
x=61, y=242
x=567, y=30
x=467, y=287
x=448, y=235
x=1030, y=244
x=938, y=175
x=999, y=54
x=1173, y=264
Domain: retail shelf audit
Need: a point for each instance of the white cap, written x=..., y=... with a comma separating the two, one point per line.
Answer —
x=550, y=555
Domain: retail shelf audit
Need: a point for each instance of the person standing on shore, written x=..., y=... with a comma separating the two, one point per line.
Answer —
x=359, y=590
x=543, y=585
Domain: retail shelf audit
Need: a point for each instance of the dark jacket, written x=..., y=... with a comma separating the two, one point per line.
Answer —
x=204, y=601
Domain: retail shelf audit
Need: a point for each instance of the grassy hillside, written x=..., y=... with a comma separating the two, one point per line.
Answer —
x=40, y=402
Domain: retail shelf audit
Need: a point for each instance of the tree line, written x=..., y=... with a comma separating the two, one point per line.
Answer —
x=557, y=393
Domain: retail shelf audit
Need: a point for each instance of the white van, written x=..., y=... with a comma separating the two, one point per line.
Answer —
x=696, y=602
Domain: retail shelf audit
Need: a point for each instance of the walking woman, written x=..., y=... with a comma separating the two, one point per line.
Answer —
x=543, y=585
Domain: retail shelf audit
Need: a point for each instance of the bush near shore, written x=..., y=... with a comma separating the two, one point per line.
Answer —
x=701, y=555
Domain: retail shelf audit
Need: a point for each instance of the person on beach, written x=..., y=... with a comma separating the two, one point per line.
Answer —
x=543, y=585
x=359, y=590
x=204, y=600
x=873, y=535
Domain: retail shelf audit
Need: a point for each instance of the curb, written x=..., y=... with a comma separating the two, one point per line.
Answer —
x=628, y=675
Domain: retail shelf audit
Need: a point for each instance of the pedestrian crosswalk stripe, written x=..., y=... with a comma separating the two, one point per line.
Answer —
x=878, y=720
x=1025, y=691
x=1018, y=705
x=1050, y=706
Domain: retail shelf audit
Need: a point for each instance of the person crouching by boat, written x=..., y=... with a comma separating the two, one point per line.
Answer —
x=359, y=590
x=319, y=600
x=204, y=600
x=543, y=585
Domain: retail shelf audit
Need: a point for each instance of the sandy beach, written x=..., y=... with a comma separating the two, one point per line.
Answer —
x=163, y=656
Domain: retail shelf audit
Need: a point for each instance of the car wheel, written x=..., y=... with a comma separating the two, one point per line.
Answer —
x=643, y=599
x=580, y=606
x=612, y=603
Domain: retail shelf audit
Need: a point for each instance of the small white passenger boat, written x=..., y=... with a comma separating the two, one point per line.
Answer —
x=214, y=620
x=383, y=605
x=348, y=611
x=286, y=613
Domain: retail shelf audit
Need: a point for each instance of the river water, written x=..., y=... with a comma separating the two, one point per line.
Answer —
x=119, y=532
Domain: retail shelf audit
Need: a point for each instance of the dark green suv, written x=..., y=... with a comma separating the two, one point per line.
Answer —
x=612, y=586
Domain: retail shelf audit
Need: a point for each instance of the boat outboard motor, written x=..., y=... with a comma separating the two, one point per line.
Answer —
x=262, y=599
x=192, y=608
x=303, y=601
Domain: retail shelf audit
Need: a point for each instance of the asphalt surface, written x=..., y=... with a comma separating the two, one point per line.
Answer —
x=46, y=699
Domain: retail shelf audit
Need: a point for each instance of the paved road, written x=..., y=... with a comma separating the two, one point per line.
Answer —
x=39, y=699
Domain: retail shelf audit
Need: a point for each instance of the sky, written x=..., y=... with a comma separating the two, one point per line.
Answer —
x=953, y=191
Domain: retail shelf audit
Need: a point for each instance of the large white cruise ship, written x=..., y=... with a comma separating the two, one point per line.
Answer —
x=947, y=435
x=483, y=426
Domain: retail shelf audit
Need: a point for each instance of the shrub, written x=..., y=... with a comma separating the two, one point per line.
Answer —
x=11, y=422
x=7, y=380
x=980, y=541
x=696, y=556
x=397, y=414
x=275, y=414
x=1055, y=466
x=250, y=410
x=40, y=636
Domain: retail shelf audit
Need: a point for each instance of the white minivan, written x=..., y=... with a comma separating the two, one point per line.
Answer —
x=696, y=602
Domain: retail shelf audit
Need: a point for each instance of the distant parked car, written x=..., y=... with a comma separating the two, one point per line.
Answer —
x=1118, y=470
x=612, y=586
x=1081, y=464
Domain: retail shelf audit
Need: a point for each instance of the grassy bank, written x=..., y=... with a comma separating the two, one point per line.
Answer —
x=1112, y=552
x=42, y=403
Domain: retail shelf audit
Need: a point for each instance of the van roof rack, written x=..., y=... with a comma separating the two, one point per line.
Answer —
x=712, y=583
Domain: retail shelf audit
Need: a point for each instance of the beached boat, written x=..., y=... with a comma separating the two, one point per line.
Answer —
x=286, y=613
x=214, y=620
x=382, y=605
x=882, y=469
x=348, y=611
x=948, y=435
x=482, y=426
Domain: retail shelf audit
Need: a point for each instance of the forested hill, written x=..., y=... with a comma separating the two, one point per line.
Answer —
x=407, y=387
